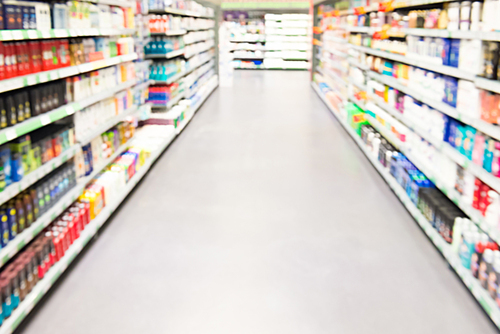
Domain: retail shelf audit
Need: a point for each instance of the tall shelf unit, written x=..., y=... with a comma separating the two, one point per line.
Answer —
x=69, y=123
x=269, y=40
x=420, y=112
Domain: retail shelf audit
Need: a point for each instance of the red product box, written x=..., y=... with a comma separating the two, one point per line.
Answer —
x=2, y=62
x=35, y=56
x=477, y=188
x=483, y=198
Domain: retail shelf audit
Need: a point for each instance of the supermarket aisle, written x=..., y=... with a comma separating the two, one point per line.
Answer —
x=263, y=217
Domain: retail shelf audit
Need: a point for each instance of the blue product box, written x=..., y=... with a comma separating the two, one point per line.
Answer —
x=450, y=91
x=5, y=160
x=454, y=53
x=446, y=51
x=468, y=143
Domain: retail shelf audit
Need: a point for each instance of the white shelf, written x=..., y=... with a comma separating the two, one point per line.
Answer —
x=452, y=154
x=360, y=85
x=167, y=55
x=23, y=34
x=472, y=283
x=170, y=33
x=353, y=62
x=448, y=70
x=487, y=128
x=194, y=109
x=170, y=103
x=106, y=125
x=180, y=12
x=335, y=52
x=41, y=77
x=182, y=74
x=86, y=235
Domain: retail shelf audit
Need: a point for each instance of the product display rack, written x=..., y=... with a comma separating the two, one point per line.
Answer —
x=472, y=283
x=278, y=51
x=186, y=53
x=136, y=110
x=340, y=68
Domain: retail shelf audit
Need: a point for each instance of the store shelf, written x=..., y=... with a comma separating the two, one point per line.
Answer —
x=487, y=128
x=43, y=286
x=119, y=3
x=180, y=12
x=170, y=103
x=472, y=283
x=357, y=64
x=182, y=74
x=41, y=77
x=243, y=57
x=336, y=39
x=246, y=41
x=170, y=33
x=87, y=138
x=191, y=55
x=333, y=76
x=40, y=121
x=448, y=70
x=486, y=84
x=453, y=155
x=31, y=178
x=86, y=235
x=14, y=246
x=198, y=29
x=167, y=55
x=357, y=102
x=335, y=52
x=16, y=35
x=360, y=85
x=194, y=109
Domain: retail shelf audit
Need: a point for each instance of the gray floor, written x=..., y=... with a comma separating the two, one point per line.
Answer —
x=262, y=217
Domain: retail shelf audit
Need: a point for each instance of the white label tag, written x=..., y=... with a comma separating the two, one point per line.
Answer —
x=45, y=120
x=32, y=34
x=6, y=35
x=17, y=34
x=60, y=33
x=46, y=34
x=11, y=134
x=31, y=80
x=70, y=110
x=73, y=32
x=43, y=77
x=54, y=75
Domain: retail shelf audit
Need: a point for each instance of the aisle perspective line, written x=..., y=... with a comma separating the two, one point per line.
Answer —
x=43, y=286
x=481, y=295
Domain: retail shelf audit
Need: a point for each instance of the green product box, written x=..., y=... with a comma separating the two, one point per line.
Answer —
x=355, y=117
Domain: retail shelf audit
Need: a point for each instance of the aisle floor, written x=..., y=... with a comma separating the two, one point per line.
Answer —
x=262, y=217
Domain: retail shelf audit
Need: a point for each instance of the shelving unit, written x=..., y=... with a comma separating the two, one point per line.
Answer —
x=333, y=54
x=202, y=62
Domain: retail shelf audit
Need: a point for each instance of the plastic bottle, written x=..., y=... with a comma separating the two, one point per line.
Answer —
x=485, y=267
x=466, y=249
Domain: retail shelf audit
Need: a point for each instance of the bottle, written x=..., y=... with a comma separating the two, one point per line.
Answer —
x=457, y=234
x=485, y=267
x=466, y=249
x=494, y=278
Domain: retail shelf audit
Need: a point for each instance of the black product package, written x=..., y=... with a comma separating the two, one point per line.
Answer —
x=11, y=111
x=3, y=114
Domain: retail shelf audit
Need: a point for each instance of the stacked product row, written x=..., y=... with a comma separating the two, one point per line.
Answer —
x=21, y=58
x=416, y=85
